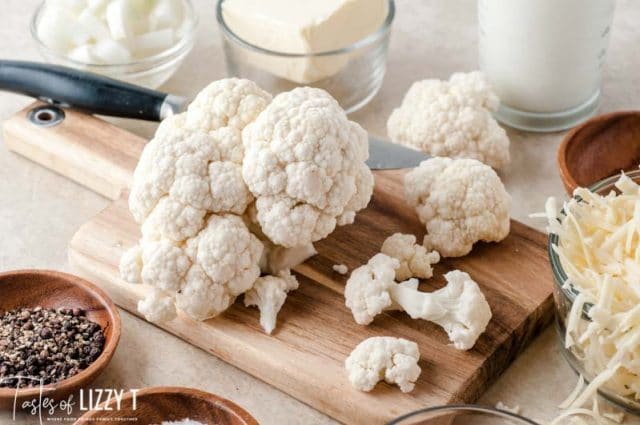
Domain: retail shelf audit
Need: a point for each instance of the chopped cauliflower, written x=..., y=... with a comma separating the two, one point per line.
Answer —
x=340, y=268
x=304, y=163
x=460, y=201
x=394, y=360
x=459, y=308
x=367, y=291
x=269, y=294
x=452, y=119
x=415, y=260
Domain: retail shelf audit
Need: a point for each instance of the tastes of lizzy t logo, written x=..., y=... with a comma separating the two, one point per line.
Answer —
x=48, y=410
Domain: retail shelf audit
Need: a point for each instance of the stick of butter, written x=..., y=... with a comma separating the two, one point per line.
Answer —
x=302, y=27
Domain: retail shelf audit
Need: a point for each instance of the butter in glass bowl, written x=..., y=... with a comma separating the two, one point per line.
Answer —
x=337, y=45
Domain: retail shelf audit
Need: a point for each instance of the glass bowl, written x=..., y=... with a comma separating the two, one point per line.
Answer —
x=565, y=295
x=353, y=74
x=462, y=415
x=149, y=72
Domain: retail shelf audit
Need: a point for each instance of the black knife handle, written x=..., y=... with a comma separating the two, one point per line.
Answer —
x=82, y=90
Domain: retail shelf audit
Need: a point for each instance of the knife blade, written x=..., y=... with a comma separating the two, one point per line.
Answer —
x=384, y=155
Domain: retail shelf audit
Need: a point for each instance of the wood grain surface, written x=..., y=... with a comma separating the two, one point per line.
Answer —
x=316, y=332
x=152, y=406
x=51, y=289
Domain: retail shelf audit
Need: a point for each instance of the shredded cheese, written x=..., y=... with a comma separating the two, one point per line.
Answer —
x=599, y=249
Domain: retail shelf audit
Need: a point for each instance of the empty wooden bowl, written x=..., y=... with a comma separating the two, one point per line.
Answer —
x=51, y=289
x=600, y=148
x=156, y=405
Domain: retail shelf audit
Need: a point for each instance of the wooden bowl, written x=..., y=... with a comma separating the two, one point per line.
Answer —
x=51, y=289
x=156, y=405
x=600, y=148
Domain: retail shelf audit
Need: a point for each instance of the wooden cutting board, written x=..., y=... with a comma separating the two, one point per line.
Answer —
x=315, y=332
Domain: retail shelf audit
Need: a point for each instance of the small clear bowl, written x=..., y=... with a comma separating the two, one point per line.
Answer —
x=462, y=414
x=149, y=72
x=353, y=74
x=564, y=297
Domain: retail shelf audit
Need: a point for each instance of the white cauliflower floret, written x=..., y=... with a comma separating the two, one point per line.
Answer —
x=228, y=253
x=230, y=102
x=131, y=265
x=157, y=307
x=452, y=119
x=205, y=276
x=182, y=175
x=367, y=290
x=269, y=294
x=460, y=201
x=393, y=359
x=460, y=308
x=415, y=260
x=304, y=163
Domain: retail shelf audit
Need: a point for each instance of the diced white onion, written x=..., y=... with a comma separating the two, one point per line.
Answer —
x=111, y=31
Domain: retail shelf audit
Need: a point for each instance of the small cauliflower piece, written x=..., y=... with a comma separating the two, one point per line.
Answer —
x=393, y=359
x=269, y=294
x=459, y=308
x=460, y=201
x=452, y=119
x=157, y=307
x=340, y=268
x=367, y=290
x=305, y=165
x=415, y=260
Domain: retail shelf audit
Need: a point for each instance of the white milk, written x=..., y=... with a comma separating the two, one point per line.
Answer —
x=544, y=56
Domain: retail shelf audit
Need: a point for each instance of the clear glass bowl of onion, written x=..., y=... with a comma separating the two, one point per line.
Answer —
x=141, y=42
x=565, y=295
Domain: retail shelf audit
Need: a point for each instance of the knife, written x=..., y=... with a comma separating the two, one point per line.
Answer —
x=68, y=87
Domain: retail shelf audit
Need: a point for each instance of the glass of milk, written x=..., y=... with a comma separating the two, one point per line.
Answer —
x=544, y=59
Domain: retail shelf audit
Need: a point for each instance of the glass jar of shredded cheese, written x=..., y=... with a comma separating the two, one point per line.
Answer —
x=594, y=248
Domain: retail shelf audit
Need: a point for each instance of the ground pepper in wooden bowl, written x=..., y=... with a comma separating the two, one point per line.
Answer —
x=57, y=323
x=41, y=346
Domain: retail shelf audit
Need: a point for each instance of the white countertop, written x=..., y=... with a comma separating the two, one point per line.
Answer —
x=40, y=210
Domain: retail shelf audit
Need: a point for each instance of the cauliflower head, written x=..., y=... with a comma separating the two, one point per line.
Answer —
x=269, y=294
x=415, y=260
x=460, y=201
x=393, y=359
x=304, y=163
x=452, y=119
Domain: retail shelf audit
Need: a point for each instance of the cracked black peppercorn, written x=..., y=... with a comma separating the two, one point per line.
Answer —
x=47, y=345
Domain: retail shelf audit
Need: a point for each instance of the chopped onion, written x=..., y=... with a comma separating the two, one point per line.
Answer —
x=111, y=31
